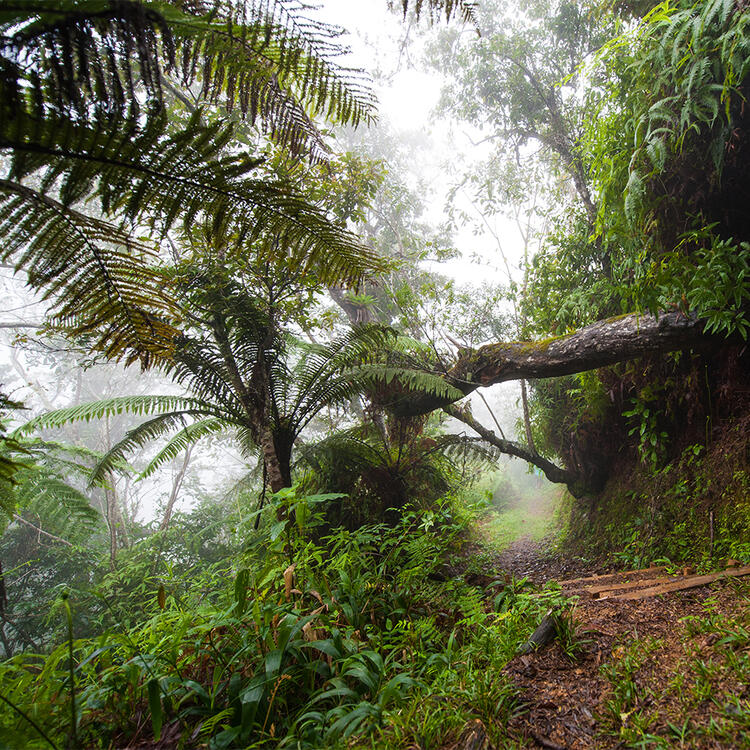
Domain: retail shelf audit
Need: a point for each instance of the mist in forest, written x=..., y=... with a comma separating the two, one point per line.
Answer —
x=466, y=254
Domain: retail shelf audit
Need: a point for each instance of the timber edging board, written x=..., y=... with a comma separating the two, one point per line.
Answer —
x=686, y=582
x=598, y=578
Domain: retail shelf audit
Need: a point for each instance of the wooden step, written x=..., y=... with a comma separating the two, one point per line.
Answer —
x=598, y=578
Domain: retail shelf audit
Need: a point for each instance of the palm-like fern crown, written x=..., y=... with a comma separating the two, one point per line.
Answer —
x=82, y=114
x=88, y=56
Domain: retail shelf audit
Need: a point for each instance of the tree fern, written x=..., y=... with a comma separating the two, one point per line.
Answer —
x=82, y=111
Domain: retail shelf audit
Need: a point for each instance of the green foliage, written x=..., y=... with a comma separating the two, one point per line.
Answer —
x=645, y=414
x=709, y=275
x=83, y=118
x=377, y=475
x=666, y=158
x=342, y=646
x=668, y=514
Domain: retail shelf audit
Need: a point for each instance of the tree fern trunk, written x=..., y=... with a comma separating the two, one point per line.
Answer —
x=274, y=472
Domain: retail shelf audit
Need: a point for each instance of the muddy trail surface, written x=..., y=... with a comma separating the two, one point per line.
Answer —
x=661, y=672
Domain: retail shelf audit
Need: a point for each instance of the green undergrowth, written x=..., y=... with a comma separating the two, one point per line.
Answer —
x=688, y=693
x=343, y=639
x=695, y=509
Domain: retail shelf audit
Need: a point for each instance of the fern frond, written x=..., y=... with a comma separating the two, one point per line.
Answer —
x=467, y=9
x=409, y=380
x=263, y=56
x=182, y=440
x=99, y=279
x=172, y=180
x=138, y=405
x=60, y=505
x=139, y=436
x=345, y=453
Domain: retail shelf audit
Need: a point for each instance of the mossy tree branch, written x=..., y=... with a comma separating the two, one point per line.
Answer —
x=551, y=471
x=605, y=342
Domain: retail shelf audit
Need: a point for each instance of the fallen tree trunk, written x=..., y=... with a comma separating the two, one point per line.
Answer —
x=603, y=343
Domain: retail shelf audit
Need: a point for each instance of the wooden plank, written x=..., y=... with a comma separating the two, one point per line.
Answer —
x=640, y=583
x=606, y=576
x=688, y=582
x=589, y=589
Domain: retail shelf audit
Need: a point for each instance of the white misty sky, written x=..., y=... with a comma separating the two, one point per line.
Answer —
x=407, y=99
x=407, y=96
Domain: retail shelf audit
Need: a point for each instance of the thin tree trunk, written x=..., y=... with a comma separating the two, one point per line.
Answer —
x=527, y=417
x=122, y=529
x=6, y=642
x=112, y=529
x=176, y=485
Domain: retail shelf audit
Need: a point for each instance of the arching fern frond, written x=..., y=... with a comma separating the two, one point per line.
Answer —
x=82, y=111
x=139, y=405
x=100, y=281
x=184, y=438
x=56, y=502
x=326, y=374
x=345, y=454
x=139, y=436
x=263, y=57
x=407, y=380
x=43, y=488
x=175, y=179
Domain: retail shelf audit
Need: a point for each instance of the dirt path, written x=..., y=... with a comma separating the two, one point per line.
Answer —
x=667, y=672
x=528, y=558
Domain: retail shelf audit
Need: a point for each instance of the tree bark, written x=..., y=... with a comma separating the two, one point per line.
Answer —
x=603, y=343
x=271, y=462
x=551, y=471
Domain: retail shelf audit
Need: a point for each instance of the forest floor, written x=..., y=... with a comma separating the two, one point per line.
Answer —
x=671, y=671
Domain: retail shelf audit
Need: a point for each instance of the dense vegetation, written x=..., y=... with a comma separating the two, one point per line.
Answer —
x=192, y=189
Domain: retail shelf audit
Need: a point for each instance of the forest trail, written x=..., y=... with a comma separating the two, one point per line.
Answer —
x=674, y=668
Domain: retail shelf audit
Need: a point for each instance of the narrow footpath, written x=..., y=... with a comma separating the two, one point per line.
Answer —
x=665, y=671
